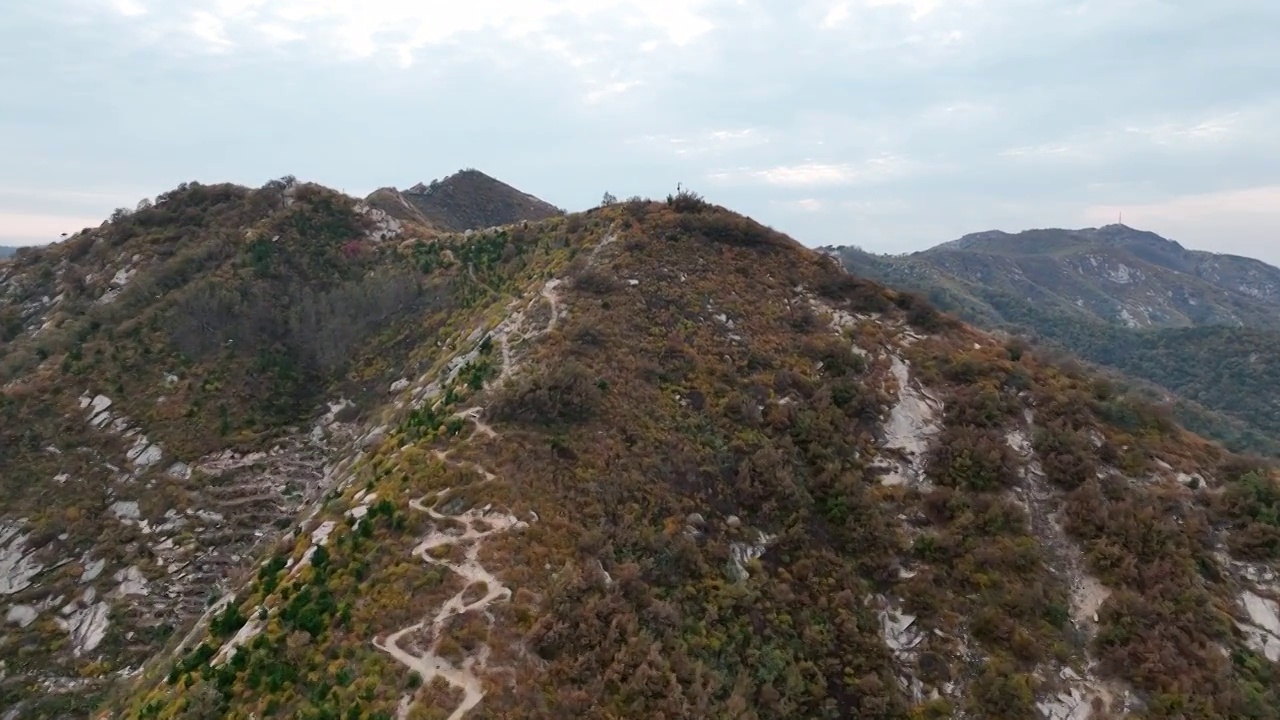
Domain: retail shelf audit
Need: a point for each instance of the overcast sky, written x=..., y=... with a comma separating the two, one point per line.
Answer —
x=890, y=124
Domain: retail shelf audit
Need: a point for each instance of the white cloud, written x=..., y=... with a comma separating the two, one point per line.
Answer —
x=839, y=13
x=918, y=8
x=211, y=30
x=1161, y=135
x=1066, y=150
x=808, y=205
x=400, y=28
x=1213, y=129
x=1003, y=113
x=808, y=174
x=129, y=8
x=888, y=206
x=601, y=40
x=713, y=141
x=277, y=33
x=604, y=91
x=958, y=112
x=812, y=174
x=835, y=16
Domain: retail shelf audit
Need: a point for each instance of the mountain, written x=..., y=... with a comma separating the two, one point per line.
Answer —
x=466, y=200
x=7, y=251
x=266, y=455
x=1115, y=274
x=1203, y=328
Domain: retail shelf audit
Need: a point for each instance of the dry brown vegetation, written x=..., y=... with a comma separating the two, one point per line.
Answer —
x=693, y=395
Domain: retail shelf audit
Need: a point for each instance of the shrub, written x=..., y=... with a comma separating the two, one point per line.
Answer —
x=687, y=201
x=565, y=394
x=730, y=229
x=862, y=295
x=1067, y=455
x=921, y=315
x=967, y=457
x=595, y=282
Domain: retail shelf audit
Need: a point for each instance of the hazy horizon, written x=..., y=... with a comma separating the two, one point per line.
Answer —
x=894, y=125
x=1191, y=245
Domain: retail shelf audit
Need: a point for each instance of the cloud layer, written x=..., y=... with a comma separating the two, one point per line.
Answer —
x=892, y=124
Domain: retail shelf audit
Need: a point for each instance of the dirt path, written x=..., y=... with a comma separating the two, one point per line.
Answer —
x=478, y=525
x=604, y=242
x=473, y=415
x=443, y=456
x=553, y=299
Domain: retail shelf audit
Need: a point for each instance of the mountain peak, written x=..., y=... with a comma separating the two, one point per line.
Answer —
x=1119, y=232
x=466, y=175
x=466, y=200
x=974, y=240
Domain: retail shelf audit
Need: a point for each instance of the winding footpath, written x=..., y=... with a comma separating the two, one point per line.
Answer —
x=478, y=524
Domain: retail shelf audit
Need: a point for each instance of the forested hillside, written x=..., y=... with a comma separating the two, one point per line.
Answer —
x=652, y=460
x=1197, y=329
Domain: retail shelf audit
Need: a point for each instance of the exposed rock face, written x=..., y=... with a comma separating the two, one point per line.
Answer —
x=21, y=615
x=125, y=509
x=131, y=582
x=1071, y=705
x=386, y=226
x=1263, y=631
x=913, y=423
x=744, y=553
x=87, y=627
x=18, y=565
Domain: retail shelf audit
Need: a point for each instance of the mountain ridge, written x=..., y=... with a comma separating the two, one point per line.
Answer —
x=1125, y=254
x=653, y=458
x=1125, y=298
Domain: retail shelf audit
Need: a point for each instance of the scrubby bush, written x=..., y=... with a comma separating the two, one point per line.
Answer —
x=567, y=393
x=687, y=201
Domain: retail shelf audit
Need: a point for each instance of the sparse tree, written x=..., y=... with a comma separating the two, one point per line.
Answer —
x=609, y=199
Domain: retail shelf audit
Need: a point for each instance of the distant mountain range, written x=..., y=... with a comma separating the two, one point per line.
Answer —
x=6, y=251
x=1115, y=274
x=1202, y=326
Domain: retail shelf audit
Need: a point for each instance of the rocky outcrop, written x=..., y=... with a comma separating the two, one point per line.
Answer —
x=18, y=566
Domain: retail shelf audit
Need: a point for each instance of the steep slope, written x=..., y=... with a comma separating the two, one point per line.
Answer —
x=395, y=205
x=660, y=461
x=1125, y=299
x=651, y=460
x=171, y=386
x=466, y=200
